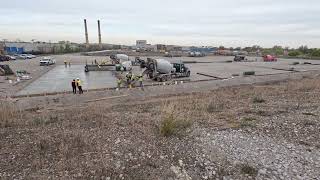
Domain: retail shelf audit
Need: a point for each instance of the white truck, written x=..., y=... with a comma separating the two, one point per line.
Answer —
x=46, y=61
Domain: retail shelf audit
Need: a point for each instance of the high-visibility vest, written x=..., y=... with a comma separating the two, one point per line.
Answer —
x=78, y=82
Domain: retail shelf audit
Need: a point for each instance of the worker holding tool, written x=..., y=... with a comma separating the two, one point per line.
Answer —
x=119, y=81
x=133, y=79
x=74, y=86
x=129, y=76
x=79, y=84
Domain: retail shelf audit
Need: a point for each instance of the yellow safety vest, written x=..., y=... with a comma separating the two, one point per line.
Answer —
x=79, y=83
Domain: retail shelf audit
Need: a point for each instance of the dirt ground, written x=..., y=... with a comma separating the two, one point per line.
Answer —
x=261, y=131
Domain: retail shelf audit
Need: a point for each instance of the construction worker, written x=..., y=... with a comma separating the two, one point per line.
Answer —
x=121, y=69
x=65, y=63
x=141, y=81
x=133, y=79
x=74, y=86
x=79, y=84
x=129, y=77
x=119, y=81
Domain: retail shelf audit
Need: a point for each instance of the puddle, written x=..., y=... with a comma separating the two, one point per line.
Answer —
x=59, y=79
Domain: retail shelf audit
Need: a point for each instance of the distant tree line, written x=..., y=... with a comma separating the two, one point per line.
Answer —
x=303, y=51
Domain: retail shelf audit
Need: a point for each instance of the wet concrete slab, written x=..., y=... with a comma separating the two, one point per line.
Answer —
x=59, y=79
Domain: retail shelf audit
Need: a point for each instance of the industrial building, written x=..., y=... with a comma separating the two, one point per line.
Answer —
x=39, y=47
x=1, y=48
x=141, y=44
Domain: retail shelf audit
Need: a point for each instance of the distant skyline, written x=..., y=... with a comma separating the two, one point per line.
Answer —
x=230, y=23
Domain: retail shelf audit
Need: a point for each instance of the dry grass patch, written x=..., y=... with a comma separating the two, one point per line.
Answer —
x=258, y=99
x=247, y=122
x=8, y=113
x=175, y=119
x=249, y=170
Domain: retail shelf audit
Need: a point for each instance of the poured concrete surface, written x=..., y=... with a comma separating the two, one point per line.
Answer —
x=59, y=80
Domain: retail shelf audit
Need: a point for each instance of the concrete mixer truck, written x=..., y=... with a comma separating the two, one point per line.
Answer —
x=162, y=70
x=121, y=61
x=119, y=58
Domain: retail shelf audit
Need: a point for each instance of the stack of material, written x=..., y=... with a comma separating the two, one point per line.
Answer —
x=5, y=70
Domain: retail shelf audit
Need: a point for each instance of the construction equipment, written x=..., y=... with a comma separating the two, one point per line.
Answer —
x=269, y=58
x=240, y=58
x=162, y=70
x=119, y=58
x=118, y=62
x=5, y=70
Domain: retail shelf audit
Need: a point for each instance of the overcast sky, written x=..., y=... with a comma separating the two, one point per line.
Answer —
x=183, y=22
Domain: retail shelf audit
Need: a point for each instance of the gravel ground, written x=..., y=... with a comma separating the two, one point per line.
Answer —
x=272, y=158
x=242, y=132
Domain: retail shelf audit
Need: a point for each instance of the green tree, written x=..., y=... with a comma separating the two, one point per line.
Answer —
x=303, y=49
x=277, y=50
x=294, y=53
x=315, y=53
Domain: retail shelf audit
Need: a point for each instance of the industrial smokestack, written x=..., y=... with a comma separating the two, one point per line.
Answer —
x=99, y=34
x=86, y=32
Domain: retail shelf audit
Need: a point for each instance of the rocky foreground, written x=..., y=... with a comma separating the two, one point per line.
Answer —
x=247, y=132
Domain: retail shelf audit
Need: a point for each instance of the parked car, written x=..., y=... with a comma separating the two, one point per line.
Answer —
x=4, y=58
x=22, y=56
x=31, y=56
x=240, y=58
x=269, y=58
x=46, y=61
x=11, y=57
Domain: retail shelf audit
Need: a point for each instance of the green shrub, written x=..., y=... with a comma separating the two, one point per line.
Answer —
x=247, y=122
x=258, y=100
x=247, y=169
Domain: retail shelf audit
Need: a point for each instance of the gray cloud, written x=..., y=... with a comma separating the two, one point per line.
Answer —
x=199, y=22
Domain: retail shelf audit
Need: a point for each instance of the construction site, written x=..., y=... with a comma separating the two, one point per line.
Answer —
x=196, y=117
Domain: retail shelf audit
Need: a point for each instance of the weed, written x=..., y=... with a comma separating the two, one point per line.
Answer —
x=215, y=107
x=8, y=113
x=52, y=119
x=43, y=146
x=247, y=122
x=37, y=121
x=258, y=100
x=168, y=126
x=247, y=169
x=263, y=113
x=174, y=120
x=309, y=123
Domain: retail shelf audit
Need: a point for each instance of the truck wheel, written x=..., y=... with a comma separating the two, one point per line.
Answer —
x=164, y=79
